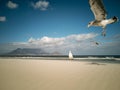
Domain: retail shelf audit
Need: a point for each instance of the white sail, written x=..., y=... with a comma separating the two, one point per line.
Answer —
x=70, y=55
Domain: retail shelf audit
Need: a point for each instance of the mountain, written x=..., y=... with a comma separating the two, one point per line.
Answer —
x=56, y=53
x=28, y=51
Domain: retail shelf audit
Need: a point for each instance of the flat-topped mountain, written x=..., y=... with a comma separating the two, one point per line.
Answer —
x=28, y=51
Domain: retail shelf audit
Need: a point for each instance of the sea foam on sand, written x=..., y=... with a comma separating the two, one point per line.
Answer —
x=31, y=74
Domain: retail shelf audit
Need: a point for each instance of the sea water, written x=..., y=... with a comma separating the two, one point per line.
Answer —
x=89, y=58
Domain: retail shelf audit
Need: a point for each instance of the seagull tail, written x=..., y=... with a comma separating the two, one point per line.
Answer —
x=115, y=19
x=112, y=20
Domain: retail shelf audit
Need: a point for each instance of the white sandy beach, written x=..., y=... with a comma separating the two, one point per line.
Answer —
x=25, y=74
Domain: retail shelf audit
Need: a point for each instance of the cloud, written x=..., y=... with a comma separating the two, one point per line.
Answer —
x=59, y=41
x=42, y=5
x=31, y=40
x=79, y=44
x=74, y=42
x=81, y=37
x=2, y=18
x=12, y=5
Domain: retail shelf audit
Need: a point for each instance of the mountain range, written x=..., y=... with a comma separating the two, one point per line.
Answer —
x=31, y=52
x=28, y=51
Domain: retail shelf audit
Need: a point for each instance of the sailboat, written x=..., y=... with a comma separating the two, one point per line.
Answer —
x=70, y=55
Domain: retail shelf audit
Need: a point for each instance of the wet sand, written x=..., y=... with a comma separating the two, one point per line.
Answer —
x=25, y=74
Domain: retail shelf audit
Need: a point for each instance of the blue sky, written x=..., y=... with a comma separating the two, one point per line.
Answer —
x=61, y=24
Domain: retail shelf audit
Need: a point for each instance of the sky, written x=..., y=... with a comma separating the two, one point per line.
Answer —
x=57, y=26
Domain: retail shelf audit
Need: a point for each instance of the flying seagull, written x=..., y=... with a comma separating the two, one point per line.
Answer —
x=95, y=42
x=100, y=15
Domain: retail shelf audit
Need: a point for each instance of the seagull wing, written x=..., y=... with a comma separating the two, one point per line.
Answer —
x=98, y=9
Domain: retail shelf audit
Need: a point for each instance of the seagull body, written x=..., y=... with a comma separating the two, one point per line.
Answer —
x=100, y=15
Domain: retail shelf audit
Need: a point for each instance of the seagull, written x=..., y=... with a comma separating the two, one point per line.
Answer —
x=95, y=42
x=100, y=15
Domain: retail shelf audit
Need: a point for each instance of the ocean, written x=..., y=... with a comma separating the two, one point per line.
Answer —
x=85, y=58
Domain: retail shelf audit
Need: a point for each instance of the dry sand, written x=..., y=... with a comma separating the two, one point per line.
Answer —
x=25, y=74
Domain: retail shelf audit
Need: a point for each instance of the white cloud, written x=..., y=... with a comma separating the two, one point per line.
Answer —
x=63, y=40
x=79, y=44
x=31, y=40
x=46, y=42
x=12, y=5
x=2, y=18
x=75, y=41
x=81, y=37
x=42, y=5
